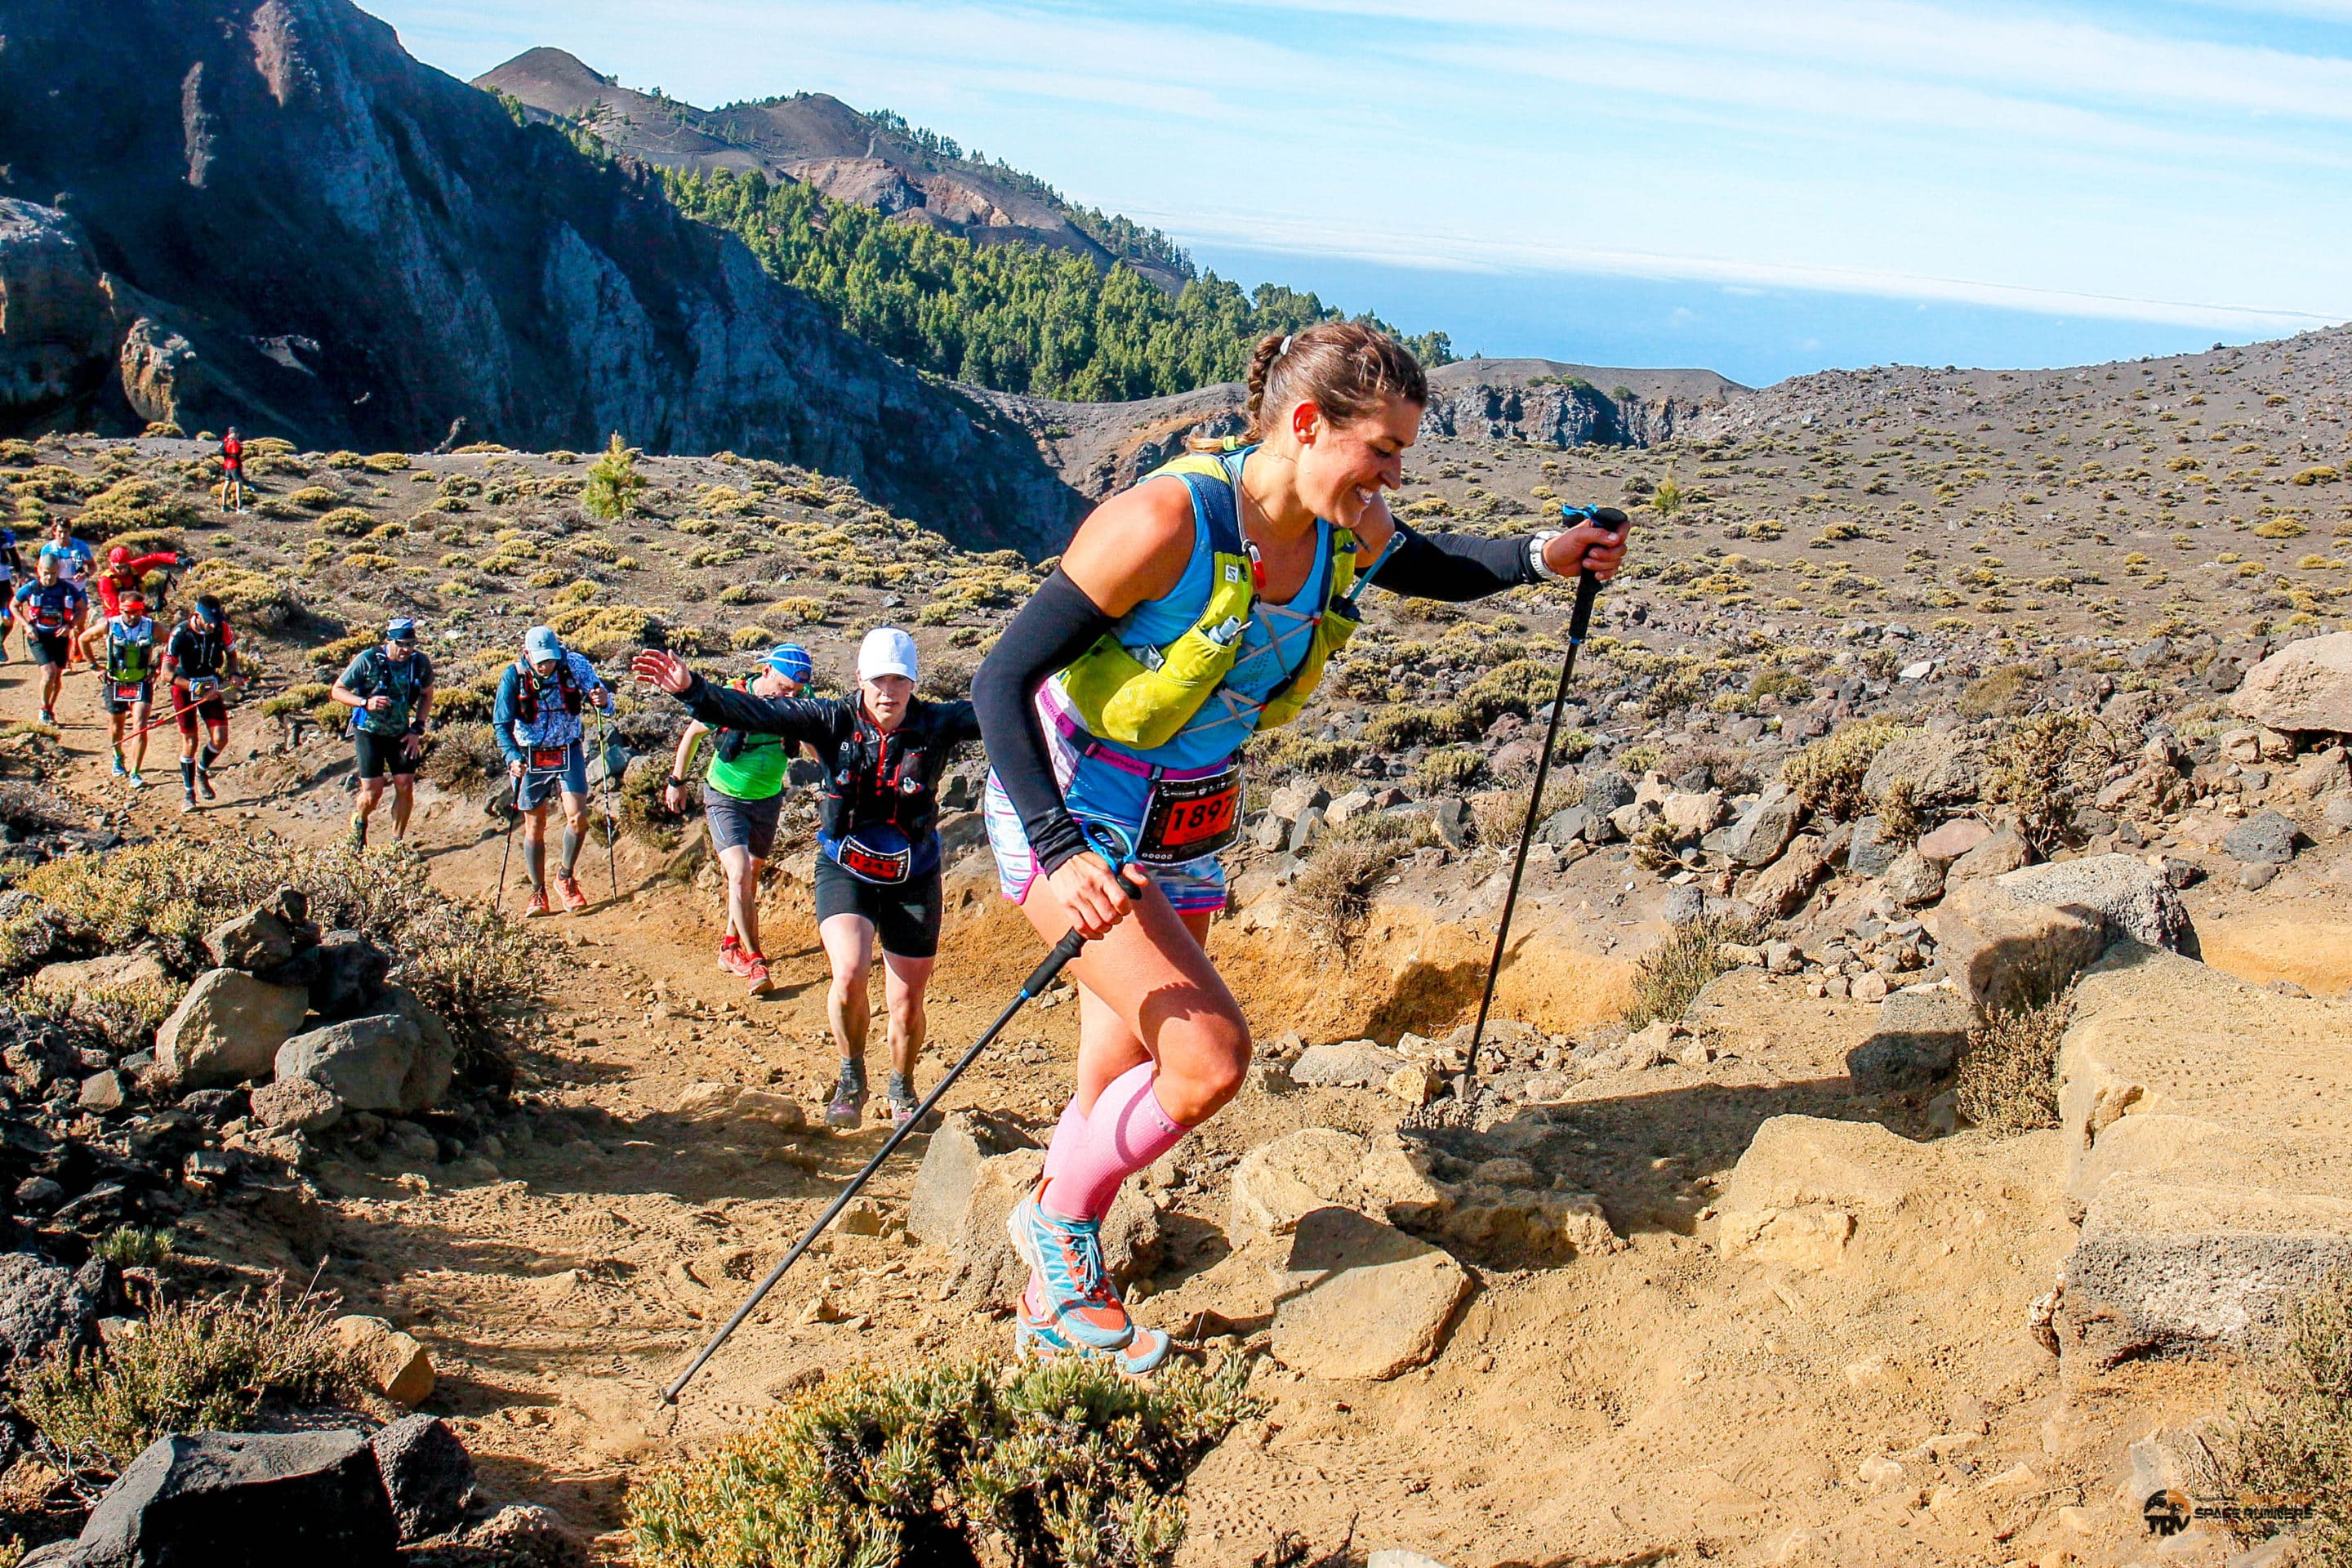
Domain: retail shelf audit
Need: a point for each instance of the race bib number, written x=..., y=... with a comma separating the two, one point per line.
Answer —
x=870, y=865
x=204, y=688
x=548, y=759
x=1189, y=819
x=130, y=691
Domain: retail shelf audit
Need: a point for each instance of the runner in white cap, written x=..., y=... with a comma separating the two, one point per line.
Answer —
x=878, y=867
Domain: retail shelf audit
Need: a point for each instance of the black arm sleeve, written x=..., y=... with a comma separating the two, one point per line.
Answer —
x=1052, y=628
x=811, y=719
x=1455, y=567
x=959, y=721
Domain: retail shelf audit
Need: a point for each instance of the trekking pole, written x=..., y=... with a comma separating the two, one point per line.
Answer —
x=514, y=814
x=1588, y=589
x=1039, y=978
x=612, y=821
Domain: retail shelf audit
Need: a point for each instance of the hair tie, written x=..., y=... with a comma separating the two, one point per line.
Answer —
x=1284, y=348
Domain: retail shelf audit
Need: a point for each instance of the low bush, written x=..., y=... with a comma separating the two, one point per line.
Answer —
x=2002, y=690
x=1448, y=771
x=1046, y=1464
x=1678, y=968
x=197, y=1365
x=1497, y=816
x=348, y=522
x=1290, y=751
x=602, y=631
x=2044, y=765
x=468, y=963
x=2289, y=1435
x=1827, y=774
x=253, y=599
x=132, y=504
x=2005, y=1080
x=463, y=757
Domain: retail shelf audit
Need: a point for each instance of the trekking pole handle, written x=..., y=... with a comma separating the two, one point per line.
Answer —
x=1588, y=586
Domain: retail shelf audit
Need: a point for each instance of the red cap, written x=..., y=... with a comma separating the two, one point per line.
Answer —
x=118, y=555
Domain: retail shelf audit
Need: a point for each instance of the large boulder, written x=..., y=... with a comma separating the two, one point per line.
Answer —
x=227, y=1029
x=1941, y=769
x=380, y=1062
x=2214, y=1186
x=1806, y=1184
x=2133, y=899
x=427, y=1475
x=1279, y=1182
x=344, y=973
x=41, y=1305
x=244, y=1500
x=966, y=1140
x=258, y=939
x=1764, y=829
x=1345, y=1064
x=2305, y=686
x=1367, y=1301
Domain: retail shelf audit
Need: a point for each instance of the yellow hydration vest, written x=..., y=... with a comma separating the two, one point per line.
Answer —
x=1144, y=702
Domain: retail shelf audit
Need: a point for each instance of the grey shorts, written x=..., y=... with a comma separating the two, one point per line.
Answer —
x=741, y=823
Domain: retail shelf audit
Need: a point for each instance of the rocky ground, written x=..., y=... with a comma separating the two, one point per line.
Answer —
x=1738, y=1282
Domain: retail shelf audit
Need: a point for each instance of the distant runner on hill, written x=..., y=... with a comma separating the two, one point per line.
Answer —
x=51, y=608
x=389, y=689
x=232, y=462
x=128, y=640
x=1187, y=614
x=878, y=867
x=743, y=796
x=537, y=718
x=199, y=661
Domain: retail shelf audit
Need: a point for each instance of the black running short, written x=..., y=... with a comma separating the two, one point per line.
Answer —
x=380, y=755
x=113, y=698
x=906, y=915
x=49, y=648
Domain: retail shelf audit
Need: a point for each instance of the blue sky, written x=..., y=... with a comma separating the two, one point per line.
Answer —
x=1760, y=188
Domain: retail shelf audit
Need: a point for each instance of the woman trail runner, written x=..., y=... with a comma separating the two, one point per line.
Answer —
x=878, y=867
x=232, y=462
x=537, y=721
x=51, y=608
x=198, y=662
x=743, y=796
x=389, y=689
x=1186, y=614
x=129, y=680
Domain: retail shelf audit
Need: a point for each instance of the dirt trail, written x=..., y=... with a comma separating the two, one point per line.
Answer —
x=1660, y=1403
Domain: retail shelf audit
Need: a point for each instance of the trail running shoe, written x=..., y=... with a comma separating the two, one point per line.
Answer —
x=757, y=973
x=734, y=959
x=848, y=1107
x=538, y=905
x=120, y=770
x=904, y=1101
x=1067, y=1257
x=1036, y=1336
x=48, y=718
x=187, y=801
x=136, y=781
x=205, y=783
x=569, y=887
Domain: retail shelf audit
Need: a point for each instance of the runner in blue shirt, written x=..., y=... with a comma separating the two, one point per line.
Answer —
x=51, y=608
x=537, y=720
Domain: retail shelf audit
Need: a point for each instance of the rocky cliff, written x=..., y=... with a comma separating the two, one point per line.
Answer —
x=265, y=212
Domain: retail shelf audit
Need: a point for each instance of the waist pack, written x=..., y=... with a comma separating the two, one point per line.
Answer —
x=880, y=853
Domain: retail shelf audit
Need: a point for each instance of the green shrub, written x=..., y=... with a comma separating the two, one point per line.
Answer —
x=195, y=1365
x=132, y=504
x=254, y=600
x=2002, y=690
x=614, y=482
x=1668, y=496
x=1678, y=968
x=1827, y=774
x=1046, y=1464
x=348, y=522
x=1290, y=751
x=317, y=497
x=2289, y=1435
x=602, y=631
x=2043, y=766
x=1448, y=771
x=2005, y=1078
x=130, y=1247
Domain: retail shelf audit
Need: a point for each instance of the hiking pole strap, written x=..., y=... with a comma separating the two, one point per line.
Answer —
x=1041, y=977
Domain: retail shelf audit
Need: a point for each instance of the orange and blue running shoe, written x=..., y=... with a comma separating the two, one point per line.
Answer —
x=1074, y=1287
x=1037, y=1336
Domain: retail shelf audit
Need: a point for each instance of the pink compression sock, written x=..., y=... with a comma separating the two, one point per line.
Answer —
x=1068, y=1133
x=1126, y=1132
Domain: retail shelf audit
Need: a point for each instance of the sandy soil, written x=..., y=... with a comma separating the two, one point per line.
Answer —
x=1658, y=1404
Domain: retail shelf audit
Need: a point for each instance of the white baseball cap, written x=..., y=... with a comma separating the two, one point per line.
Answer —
x=886, y=650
